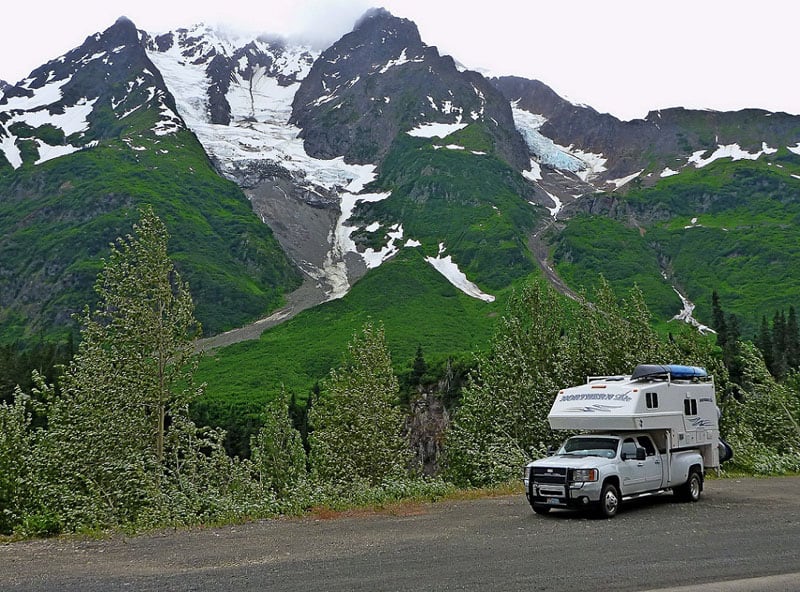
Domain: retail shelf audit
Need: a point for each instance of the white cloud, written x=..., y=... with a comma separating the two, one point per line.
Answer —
x=625, y=57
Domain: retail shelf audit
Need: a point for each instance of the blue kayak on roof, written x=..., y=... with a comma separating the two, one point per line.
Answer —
x=675, y=371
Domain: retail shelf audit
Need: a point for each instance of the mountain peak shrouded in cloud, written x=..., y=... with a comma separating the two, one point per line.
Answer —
x=382, y=79
x=377, y=12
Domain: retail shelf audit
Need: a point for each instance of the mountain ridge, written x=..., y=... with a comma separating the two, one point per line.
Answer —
x=368, y=147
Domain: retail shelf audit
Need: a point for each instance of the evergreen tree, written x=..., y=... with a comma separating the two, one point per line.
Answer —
x=418, y=369
x=731, y=348
x=792, y=340
x=718, y=320
x=357, y=432
x=779, y=342
x=764, y=342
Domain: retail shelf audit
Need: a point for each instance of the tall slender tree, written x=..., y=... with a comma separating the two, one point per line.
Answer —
x=127, y=390
x=792, y=340
x=718, y=320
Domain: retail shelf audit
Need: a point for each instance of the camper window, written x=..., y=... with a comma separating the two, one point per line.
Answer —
x=652, y=400
x=690, y=406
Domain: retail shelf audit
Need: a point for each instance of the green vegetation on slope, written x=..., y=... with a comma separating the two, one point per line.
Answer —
x=415, y=304
x=745, y=243
x=58, y=218
x=473, y=203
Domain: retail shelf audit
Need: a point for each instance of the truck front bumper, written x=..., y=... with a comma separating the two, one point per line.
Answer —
x=570, y=495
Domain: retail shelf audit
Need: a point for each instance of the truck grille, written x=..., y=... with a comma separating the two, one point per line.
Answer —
x=550, y=475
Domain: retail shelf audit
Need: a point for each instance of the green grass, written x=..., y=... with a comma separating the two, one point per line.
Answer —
x=416, y=305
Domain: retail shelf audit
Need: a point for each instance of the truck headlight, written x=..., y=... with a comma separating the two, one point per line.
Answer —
x=526, y=473
x=583, y=475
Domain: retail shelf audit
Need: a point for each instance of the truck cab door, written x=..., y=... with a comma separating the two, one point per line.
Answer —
x=653, y=466
x=631, y=470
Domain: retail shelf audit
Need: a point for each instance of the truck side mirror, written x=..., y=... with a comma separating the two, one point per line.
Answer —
x=641, y=453
x=551, y=450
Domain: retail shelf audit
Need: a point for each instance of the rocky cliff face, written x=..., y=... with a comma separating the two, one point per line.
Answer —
x=381, y=80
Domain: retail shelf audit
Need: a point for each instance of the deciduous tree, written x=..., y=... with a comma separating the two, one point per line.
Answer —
x=357, y=426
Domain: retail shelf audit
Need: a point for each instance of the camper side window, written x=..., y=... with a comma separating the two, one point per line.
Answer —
x=652, y=400
x=690, y=406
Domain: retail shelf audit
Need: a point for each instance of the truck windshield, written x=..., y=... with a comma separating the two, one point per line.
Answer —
x=603, y=447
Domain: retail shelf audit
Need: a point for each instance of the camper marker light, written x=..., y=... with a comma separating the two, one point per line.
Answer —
x=584, y=475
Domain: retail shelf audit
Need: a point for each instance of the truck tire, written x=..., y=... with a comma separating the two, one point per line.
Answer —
x=609, y=501
x=540, y=509
x=690, y=491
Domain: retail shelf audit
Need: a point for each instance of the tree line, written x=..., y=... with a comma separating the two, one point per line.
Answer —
x=114, y=446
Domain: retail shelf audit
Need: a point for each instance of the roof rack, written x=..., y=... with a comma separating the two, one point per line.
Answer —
x=669, y=371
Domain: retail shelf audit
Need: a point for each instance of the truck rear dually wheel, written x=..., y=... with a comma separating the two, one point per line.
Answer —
x=690, y=491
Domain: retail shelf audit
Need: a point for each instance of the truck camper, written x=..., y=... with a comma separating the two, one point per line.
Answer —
x=653, y=431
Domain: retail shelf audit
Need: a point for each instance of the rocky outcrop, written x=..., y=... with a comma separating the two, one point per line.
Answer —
x=381, y=80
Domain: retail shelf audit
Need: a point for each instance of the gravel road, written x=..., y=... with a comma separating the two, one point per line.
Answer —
x=741, y=529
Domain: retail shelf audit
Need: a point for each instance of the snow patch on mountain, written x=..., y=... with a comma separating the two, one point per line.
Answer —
x=686, y=313
x=625, y=180
x=795, y=149
x=38, y=109
x=335, y=267
x=668, y=172
x=558, y=205
x=732, y=151
x=41, y=97
x=9, y=148
x=259, y=128
x=402, y=59
x=436, y=130
x=449, y=269
x=535, y=174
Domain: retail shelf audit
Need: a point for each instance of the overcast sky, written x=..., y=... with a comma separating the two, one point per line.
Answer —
x=624, y=57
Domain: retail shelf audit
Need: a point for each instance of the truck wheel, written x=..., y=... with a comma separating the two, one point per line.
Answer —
x=690, y=491
x=540, y=509
x=609, y=501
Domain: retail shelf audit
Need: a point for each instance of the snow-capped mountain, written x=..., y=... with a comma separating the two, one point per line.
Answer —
x=302, y=133
x=349, y=156
x=607, y=153
x=84, y=140
x=76, y=94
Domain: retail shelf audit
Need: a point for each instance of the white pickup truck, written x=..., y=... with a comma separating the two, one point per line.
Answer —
x=644, y=434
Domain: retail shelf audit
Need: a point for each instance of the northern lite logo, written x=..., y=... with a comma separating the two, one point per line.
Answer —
x=596, y=397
